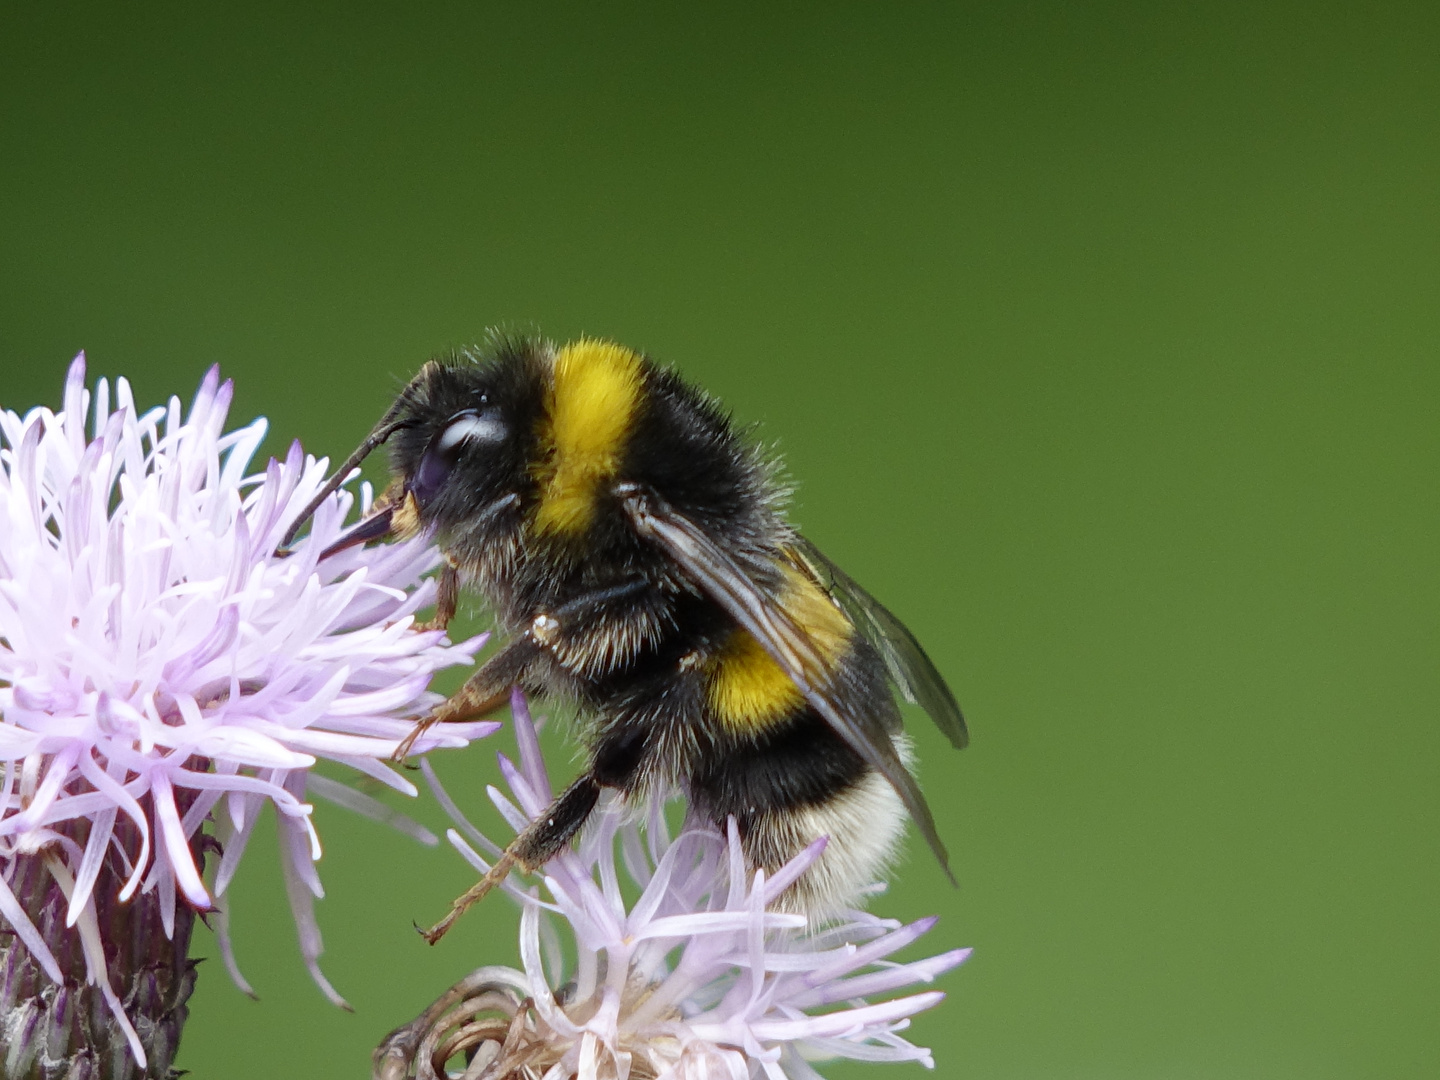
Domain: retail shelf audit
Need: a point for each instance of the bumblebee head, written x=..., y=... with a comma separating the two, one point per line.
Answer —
x=460, y=435
x=464, y=434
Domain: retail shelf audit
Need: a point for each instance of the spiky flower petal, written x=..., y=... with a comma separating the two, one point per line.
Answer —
x=160, y=663
x=700, y=977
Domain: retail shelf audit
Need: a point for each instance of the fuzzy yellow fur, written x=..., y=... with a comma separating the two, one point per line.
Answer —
x=595, y=391
x=748, y=690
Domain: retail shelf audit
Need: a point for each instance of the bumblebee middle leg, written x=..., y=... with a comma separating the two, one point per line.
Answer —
x=541, y=840
x=484, y=692
x=489, y=688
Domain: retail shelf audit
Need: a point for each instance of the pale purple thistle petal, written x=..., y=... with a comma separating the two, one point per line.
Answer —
x=159, y=660
x=701, y=976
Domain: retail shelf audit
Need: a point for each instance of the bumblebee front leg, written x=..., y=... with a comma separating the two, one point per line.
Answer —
x=484, y=692
x=538, y=844
x=447, y=599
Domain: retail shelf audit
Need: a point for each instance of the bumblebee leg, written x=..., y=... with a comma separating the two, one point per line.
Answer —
x=489, y=688
x=447, y=598
x=538, y=844
x=484, y=692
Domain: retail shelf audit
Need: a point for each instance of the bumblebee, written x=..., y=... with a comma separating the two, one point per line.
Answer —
x=635, y=551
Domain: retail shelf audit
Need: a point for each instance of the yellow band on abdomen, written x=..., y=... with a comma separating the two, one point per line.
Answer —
x=748, y=689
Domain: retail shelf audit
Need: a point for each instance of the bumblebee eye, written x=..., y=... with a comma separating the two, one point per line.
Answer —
x=470, y=426
x=466, y=427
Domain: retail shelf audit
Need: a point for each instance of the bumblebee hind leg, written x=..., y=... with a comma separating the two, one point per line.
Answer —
x=538, y=844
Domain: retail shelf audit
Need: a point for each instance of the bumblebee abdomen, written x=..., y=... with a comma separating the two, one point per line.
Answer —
x=748, y=690
x=789, y=778
x=797, y=762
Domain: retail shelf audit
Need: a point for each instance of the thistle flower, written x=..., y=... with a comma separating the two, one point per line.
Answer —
x=698, y=978
x=160, y=664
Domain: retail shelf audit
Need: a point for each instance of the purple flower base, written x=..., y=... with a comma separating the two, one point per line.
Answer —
x=67, y=1031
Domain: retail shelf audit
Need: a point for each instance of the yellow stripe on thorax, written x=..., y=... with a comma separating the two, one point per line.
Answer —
x=748, y=690
x=593, y=397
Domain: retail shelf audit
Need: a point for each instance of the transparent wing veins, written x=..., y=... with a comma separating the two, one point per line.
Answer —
x=910, y=669
x=722, y=578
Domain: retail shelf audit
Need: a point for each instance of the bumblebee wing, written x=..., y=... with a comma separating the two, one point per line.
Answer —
x=910, y=669
x=720, y=577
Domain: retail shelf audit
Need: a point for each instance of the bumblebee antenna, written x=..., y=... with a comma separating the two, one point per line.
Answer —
x=387, y=426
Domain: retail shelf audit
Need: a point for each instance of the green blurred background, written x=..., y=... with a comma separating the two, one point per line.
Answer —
x=1102, y=340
